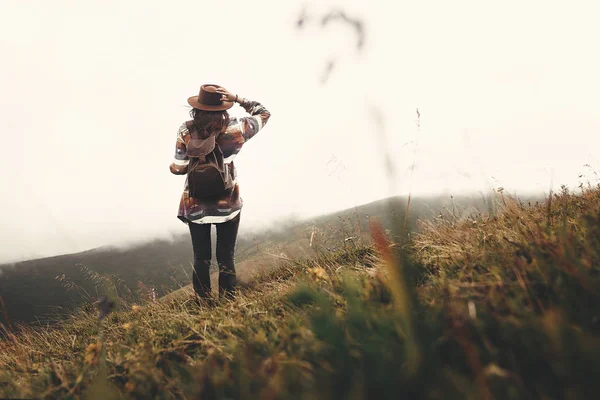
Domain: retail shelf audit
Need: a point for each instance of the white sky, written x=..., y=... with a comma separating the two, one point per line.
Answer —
x=93, y=93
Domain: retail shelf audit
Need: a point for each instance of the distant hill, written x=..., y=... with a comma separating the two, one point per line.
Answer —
x=30, y=289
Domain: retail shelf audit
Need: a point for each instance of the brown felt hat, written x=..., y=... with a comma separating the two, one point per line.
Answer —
x=209, y=100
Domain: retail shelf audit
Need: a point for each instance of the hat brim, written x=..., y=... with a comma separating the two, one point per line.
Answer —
x=193, y=101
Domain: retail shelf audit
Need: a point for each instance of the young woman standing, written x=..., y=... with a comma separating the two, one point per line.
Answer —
x=211, y=119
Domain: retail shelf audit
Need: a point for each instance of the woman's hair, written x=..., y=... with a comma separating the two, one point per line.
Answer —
x=208, y=122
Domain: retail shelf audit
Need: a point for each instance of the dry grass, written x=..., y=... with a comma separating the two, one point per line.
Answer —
x=506, y=307
x=539, y=249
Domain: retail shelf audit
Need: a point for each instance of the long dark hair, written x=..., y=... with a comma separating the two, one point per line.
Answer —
x=208, y=122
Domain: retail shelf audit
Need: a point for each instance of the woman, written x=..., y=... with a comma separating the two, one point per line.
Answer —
x=210, y=117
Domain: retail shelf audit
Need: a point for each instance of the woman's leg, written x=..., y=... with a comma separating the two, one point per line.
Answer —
x=202, y=255
x=226, y=237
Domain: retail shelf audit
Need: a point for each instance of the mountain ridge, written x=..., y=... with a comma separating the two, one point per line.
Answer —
x=31, y=291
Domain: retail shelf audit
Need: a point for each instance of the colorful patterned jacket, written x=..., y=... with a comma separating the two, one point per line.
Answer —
x=238, y=132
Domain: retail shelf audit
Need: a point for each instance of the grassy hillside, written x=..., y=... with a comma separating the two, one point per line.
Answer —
x=31, y=291
x=480, y=306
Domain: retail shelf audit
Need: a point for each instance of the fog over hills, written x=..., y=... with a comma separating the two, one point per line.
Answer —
x=31, y=290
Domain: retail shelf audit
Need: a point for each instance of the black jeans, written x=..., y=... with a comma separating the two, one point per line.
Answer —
x=201, y=243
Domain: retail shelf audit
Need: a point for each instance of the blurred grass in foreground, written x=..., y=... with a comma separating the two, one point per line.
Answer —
x=501, y=306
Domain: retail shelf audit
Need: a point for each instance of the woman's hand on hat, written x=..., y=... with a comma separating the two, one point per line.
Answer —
x=226, y=95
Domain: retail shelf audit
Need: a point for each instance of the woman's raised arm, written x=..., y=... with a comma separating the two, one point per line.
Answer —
x=259, y=115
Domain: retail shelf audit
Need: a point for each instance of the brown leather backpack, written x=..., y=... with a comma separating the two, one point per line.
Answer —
x=208, y=176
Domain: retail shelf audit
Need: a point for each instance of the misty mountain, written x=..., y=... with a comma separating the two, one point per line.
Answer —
x=43, y=289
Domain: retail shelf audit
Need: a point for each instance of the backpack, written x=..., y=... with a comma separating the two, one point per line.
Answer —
x=208, y=176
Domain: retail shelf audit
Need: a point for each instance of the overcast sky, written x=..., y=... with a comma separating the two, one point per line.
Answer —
x=93, y=93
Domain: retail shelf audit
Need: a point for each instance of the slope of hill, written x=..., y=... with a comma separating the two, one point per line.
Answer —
x=498, y=306
x=31, y=291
